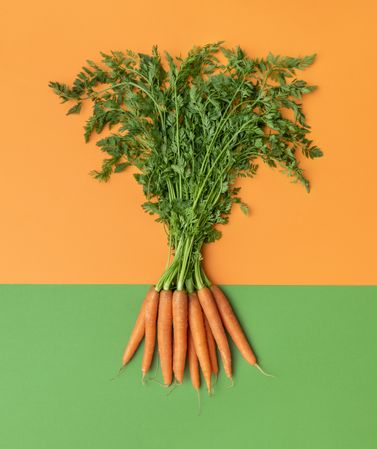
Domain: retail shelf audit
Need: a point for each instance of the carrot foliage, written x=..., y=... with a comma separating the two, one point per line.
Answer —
x=191, y=126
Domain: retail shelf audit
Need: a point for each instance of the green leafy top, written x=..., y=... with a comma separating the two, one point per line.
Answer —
x=193, y=125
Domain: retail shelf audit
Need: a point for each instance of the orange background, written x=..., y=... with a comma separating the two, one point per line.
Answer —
x=58, y=225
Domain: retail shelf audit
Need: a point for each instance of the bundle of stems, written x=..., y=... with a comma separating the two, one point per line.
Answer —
x=192, y=126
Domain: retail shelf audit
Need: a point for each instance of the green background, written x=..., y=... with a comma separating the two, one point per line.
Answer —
x=62, y=344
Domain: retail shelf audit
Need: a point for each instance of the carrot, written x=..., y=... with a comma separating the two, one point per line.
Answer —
x=210, y=309
x=185, y=196
x=193, y=362
x=199, y=337
x=137, y=333
x=232, y=325
x=151, y=309
x=211, y=348
x=164, y=335
x=180, y=333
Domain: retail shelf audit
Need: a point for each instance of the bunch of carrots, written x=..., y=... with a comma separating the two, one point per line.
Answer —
x=191, y=126
x=188, y=325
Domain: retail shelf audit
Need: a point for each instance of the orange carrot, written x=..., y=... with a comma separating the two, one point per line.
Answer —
x=151, y=309
x=164, y=335
x=199, y=337
x=137, y=333
x=193, y=362
x=180, y=333
x=210, y=309
x=232, y=325
x=211, y=348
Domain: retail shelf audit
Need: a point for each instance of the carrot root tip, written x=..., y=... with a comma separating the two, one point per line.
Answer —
x=262, y=371
x=231, y=383
x=172, y=388
x=157, y=382
x=199, y=403
x=118, y=373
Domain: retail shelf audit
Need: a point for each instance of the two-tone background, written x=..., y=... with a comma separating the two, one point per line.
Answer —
x=76, y=255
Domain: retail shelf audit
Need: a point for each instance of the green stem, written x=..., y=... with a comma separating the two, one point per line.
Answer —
x=170, y=250
x=169, y=274
x=184, y=264
x=177, y=135
x=150, y=96
x=171, y=190
x=190, y=285
x=169, y=280
x=198, y=276
x=207, y=282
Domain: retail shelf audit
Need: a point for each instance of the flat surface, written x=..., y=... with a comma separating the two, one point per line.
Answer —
x=58, y=225
x=61, y=345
